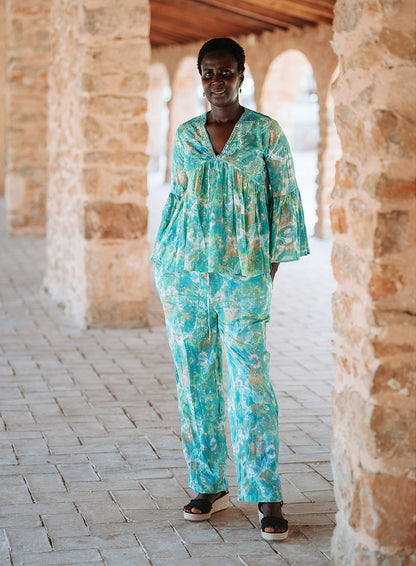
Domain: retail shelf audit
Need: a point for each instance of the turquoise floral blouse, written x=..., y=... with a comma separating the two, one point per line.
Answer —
x=236, y=212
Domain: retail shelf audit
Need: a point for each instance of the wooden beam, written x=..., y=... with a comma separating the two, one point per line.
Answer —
x=184, y=21
x=199, y=12
x=180, y=22
x=255, y=11
x=304, y=9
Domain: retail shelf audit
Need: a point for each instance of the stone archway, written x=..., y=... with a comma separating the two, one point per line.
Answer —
x=186, y=101
x=248, y=92
x=289, y=96
x=158, y=97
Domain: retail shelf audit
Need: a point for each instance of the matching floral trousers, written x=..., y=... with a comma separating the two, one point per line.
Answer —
x=201, y=308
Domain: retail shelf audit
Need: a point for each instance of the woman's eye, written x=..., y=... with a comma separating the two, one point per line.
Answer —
x=226, y=73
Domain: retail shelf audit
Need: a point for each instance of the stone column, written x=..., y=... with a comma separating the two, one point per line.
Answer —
x=374, y=221
x=329, y=152
x=2, y=94
x=97, y=250
x=26, y=115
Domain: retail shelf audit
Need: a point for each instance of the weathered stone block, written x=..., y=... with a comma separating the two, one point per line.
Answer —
x=393, y=431
x=114, y=59
x=384, y=348
x=386, y=280
x=397, y=43
x=393, y=133
x=382, y=187
x=123, y=83
x=347, y=265
x=99, y=19
x=346, y=178
x=361, y=220
x=117, y=271
x=119, y=158
x=397, y=318
x=124, y=185
x=338, y=219
x=105, y=220
x=392, y=232
x=388, y=509
x=348, y=14
x=395, y=378
x=124, y=107
x=117, y=314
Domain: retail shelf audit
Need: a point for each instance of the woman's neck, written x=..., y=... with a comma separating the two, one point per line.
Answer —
x=225, y=115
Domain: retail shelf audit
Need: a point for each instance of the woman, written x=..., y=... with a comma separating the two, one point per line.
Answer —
x=234, y=213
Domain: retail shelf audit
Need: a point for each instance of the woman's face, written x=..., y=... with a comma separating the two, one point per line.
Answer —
x=221, y=79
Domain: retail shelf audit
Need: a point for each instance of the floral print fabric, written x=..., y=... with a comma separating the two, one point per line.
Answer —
x=236, y=212
x=199, y=309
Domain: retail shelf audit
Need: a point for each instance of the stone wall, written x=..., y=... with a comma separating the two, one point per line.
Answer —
x=97, y=249
x=26, y=115
x=2, y=94
x=374, y=219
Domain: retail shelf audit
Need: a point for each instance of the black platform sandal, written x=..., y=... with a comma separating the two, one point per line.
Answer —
x=275, y=522
x=206, y=507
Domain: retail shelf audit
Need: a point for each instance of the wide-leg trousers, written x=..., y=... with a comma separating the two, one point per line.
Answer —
x=199, y=309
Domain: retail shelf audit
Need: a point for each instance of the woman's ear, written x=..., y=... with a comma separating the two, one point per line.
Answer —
x=241, y=78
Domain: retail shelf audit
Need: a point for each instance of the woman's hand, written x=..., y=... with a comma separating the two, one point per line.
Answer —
x=275, y=267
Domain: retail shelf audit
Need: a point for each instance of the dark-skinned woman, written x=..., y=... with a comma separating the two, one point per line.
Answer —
x=233, y=215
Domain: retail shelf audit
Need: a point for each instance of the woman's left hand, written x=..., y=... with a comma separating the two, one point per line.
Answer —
x=273, y=271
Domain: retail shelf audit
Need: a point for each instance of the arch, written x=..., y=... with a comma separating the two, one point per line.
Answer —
x=158, y=96
x=247, y=97
x=186, y=101
x=289, y=95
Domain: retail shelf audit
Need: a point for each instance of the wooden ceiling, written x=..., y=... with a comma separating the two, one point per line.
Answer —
x=175, y=22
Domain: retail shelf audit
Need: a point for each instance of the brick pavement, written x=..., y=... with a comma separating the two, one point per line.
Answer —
x=92, y=470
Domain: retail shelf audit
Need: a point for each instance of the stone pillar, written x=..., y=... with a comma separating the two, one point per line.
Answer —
x=374, y=221
x=26, y=115
x=2, y=94
x=97, y=250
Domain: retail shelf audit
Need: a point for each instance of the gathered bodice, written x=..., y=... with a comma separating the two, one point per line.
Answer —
x=236, y=212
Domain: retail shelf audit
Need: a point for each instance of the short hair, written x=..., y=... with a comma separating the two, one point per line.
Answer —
x=223, y=44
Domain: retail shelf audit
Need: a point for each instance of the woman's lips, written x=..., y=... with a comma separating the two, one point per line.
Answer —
x=217, y=92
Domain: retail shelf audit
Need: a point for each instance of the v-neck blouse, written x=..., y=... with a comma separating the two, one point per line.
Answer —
x=236, y=212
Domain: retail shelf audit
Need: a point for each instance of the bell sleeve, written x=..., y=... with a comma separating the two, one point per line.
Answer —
x=179, y=175
x=288, y=237
x=179, y=182
x=167, y=237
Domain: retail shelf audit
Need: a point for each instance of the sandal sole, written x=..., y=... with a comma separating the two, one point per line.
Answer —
x=275, y=536
x=219, y=505
x=272, y=536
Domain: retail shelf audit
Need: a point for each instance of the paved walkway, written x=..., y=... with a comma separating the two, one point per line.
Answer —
x=92, y=470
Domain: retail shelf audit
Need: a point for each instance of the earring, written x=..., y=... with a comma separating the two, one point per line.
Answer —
x=240, y=89
x=203, y=94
